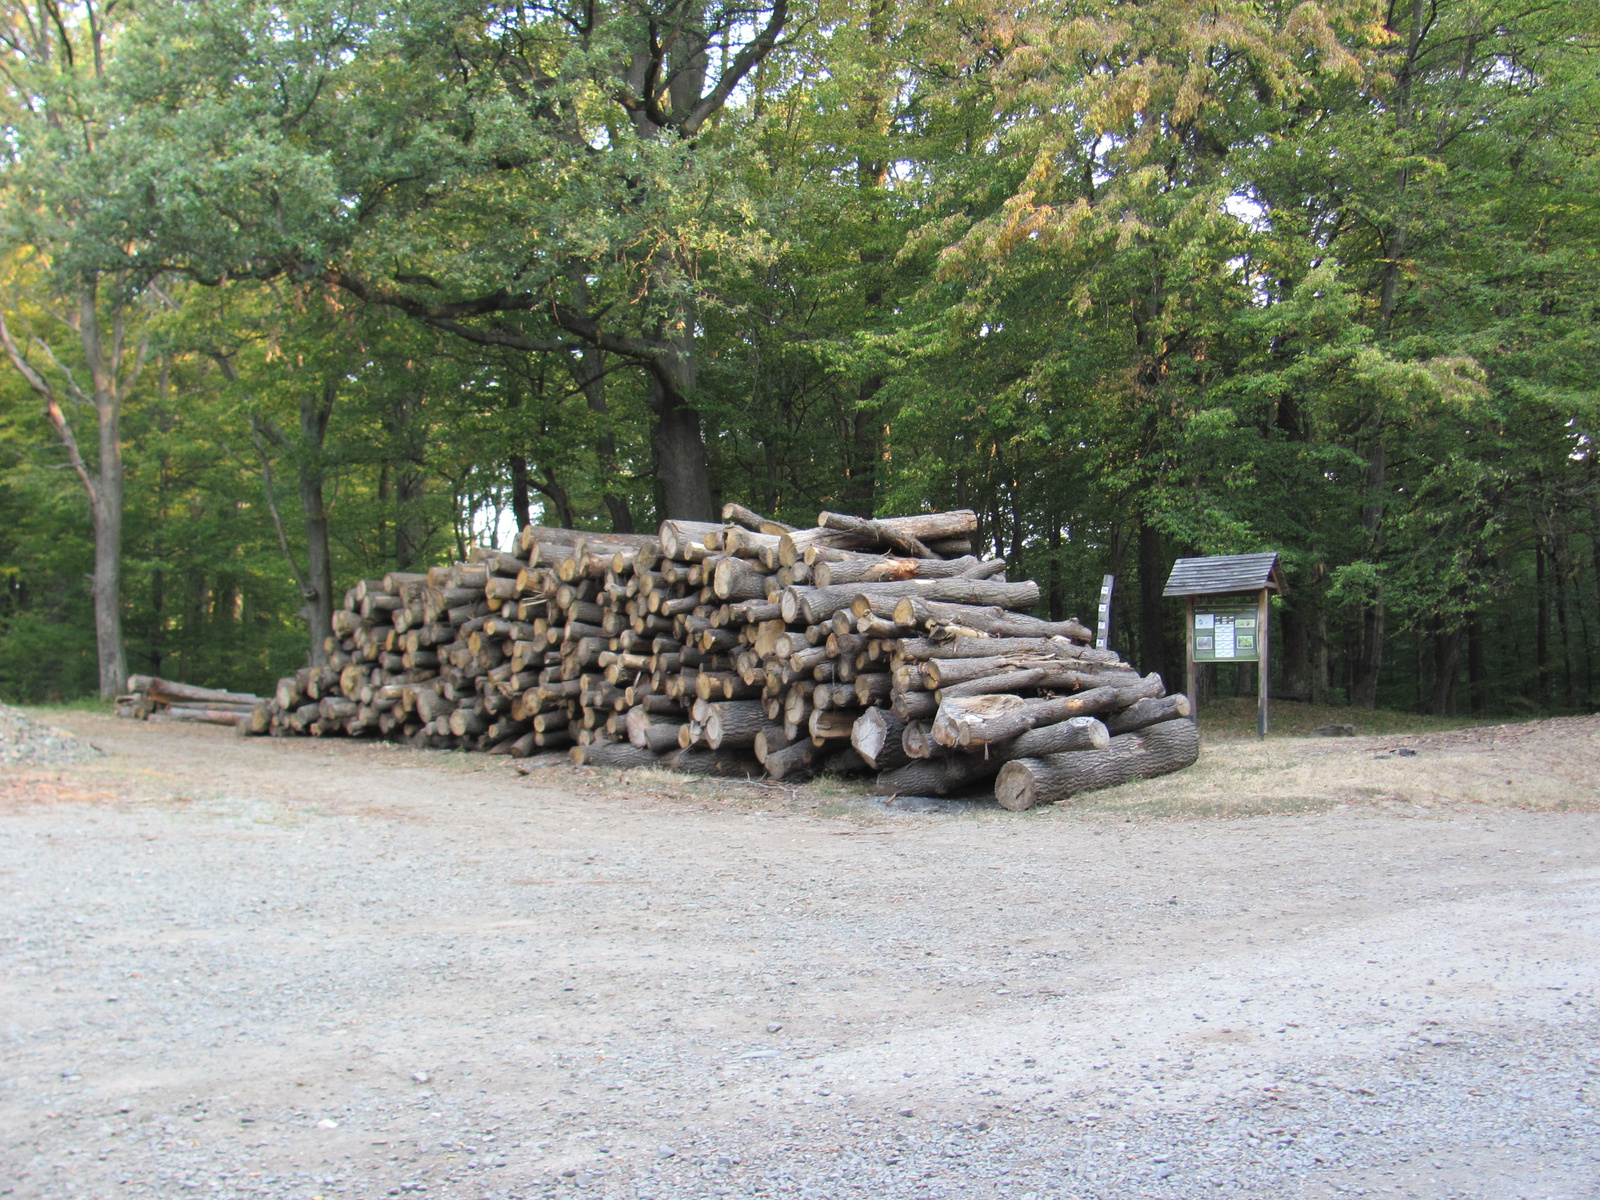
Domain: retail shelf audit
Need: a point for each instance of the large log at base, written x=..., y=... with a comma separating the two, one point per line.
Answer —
x=1157, y=750
x=794, y=761
x=1148, y=711
x=936, y=776
x=877, y=737
x=984, y=720
x=731, y=764
x=985, y=617
x=613, y=754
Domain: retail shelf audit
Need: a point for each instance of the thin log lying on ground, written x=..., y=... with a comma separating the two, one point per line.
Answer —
x=150, y=697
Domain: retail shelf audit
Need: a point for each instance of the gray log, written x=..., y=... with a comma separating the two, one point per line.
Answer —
x=986, y=617
x=1149, y=711
x=936, y=776
x=984, y=720
x=1158, y=750
x=876, y=735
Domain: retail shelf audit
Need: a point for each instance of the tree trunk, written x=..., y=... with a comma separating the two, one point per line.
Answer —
x=105, y=498
x=521, y=499
x=1152, y=623
x=1158, y=750
x=682, y=473
x=316, y=409
x=1446, y=667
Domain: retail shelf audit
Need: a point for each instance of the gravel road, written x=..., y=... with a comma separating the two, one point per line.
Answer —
x=312, y=969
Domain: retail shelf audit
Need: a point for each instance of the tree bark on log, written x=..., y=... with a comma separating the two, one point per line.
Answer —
x=1062, y=678
x=936, y=776
x=613, y=754
x=794, y=761
x=877, y=735
x=733, y=727
x=985, y=617
x=727, y=763
x=984, y=720
x=677, y=536
x=1075, y=733
x=1148, y=711
x=1157, y=750
x=891, y=570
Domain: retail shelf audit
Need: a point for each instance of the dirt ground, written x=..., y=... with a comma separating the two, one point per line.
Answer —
x=311, y=969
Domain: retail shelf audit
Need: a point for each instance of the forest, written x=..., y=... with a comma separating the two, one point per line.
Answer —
x=296, y=294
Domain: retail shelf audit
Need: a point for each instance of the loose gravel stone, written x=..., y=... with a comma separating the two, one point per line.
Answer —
x=25, y=742
x=1341, y=1004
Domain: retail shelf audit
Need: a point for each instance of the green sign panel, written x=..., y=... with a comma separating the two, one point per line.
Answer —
x=1225, y=631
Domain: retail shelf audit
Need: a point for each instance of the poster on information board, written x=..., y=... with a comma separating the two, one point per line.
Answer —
x=1225, y=630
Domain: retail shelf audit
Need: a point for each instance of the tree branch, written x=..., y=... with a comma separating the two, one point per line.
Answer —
x=52, y=412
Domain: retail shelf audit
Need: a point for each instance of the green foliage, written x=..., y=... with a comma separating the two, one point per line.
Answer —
x=1133, y=280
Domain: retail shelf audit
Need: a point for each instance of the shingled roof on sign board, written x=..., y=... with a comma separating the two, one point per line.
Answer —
x=1223, y=573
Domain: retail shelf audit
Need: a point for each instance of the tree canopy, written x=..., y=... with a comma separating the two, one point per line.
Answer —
x=312, y=291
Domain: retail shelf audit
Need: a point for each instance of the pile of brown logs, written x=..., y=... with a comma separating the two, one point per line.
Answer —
x=150, y=698
x=740, y=648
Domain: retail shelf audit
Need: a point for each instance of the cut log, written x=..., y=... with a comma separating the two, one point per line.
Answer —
x=1149, y=711
x=734, y=725
x=738, y=514
x=877, y=735
x=826, y=724
x=960, y=522
x=728, y=763
x=1075, y=733
x=769, y=741
x=983, y=720
x=1058, y=678
x=793, y=761
x=877, y=533
x=735, y=579
x=976, y=593
x=792, y=546
x=885, y=570
x=613, y=754
x=936, y=776
x=985, y=617
x=677, y=536
x=914, y=706
x=1157, y=750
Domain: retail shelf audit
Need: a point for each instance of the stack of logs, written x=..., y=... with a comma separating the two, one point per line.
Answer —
x=859, y=645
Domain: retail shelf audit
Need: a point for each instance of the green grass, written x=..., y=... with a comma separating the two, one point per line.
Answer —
x=1226, y=720
x=85, y=704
